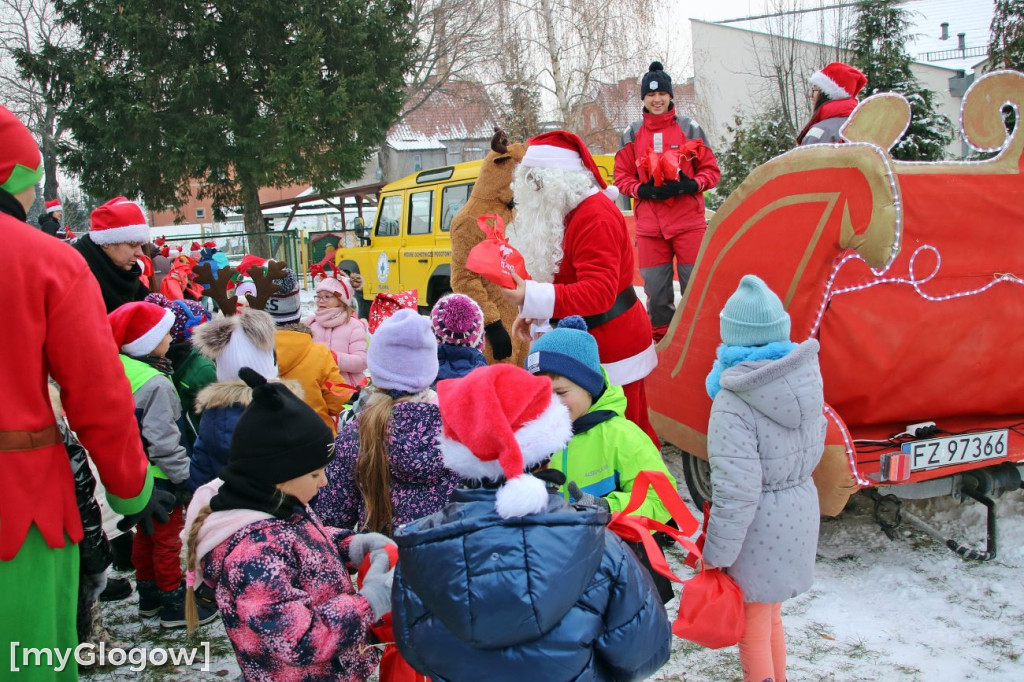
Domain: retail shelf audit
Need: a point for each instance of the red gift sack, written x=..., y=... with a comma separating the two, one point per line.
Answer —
x=711, y=604
x=494, y=258
x=393, y=668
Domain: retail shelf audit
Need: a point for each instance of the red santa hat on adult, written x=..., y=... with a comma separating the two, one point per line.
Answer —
x=118, y=221
x=21, y=165
x=53, y=205
x=139, y=327
x=566, y=151
x=839, y=80
x=497, y=422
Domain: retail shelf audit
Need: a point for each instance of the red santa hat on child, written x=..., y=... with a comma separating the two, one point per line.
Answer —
x=839, y=80
x=566, y=151
x=53, y=205
x=118, y=221
x=139, y=327
x=497, y=422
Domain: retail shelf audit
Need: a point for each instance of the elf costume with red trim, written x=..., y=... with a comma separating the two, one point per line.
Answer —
x=59, y=330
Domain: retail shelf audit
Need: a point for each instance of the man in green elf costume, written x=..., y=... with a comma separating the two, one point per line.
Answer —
x=56, y=327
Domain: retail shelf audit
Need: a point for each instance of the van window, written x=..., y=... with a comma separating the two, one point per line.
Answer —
x=389, y=216
x=452, y=199
x=421, y=212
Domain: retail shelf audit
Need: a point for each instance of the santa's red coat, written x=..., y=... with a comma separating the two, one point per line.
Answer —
x=597, y=265
x=57, y=326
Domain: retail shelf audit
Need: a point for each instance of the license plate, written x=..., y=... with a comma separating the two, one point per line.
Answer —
x=950, y=450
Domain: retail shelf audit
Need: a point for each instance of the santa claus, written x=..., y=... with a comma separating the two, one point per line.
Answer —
x=577, y=250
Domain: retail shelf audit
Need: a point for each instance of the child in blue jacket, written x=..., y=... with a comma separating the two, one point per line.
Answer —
x=458, y=324
x=508, y=582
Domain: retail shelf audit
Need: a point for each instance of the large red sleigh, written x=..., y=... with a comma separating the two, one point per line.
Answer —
x=911, y=276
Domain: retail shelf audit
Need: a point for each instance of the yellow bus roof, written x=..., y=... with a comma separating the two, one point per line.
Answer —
x=470, y=170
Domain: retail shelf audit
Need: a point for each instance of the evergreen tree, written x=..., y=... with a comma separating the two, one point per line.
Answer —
x=879, y=50
x=754, y=142
x=234, y=95
x=1006, y=44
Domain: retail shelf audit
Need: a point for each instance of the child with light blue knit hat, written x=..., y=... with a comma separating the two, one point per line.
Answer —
x=607, y=451
x=766, y=435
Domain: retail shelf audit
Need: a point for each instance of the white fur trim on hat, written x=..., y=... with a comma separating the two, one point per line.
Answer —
x=54, y=209
x=147, y=343
x=550, y=156
x=829, y=86
x=126, y=234
x=548, y=433
x=521, y=496
x=458, y=458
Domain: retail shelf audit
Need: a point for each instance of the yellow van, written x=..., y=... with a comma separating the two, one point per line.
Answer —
x=409, y=246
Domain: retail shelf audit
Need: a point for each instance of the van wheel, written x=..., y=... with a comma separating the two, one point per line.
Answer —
x=697, y=473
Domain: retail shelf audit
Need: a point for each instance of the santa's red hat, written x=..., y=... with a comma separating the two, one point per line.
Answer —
x=209, y=245
x=21, y=165
x=497, y=422
x=566, y=151
x=118, y=221
x=195, y=248
x=139, y=327
x=53, y=205
x=839, y=80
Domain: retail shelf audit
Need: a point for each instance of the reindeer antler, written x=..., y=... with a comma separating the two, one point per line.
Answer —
x=264, y=281
x=218, y=290
x=499, y=142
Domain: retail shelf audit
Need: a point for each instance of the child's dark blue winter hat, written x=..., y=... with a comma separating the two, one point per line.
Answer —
x=569, y=351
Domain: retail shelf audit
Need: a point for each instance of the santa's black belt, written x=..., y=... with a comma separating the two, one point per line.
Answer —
x=623, y=302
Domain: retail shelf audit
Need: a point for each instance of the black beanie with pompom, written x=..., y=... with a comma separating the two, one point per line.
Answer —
x=656, y=80
x=278, y=437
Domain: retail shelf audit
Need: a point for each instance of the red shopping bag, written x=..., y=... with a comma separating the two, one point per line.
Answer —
x=494, y=258
x=711, y=604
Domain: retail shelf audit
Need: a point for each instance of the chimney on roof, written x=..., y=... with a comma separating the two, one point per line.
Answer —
x=961, y=41
x=945, y=30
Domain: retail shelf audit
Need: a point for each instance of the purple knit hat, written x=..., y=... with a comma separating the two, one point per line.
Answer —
x=187, y=315
x=403, y=353
x=458, y=320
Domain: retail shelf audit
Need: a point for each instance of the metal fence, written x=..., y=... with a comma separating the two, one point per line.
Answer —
x=286, y=245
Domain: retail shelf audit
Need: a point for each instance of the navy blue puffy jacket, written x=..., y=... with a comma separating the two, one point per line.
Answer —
x=454, y=361
x=210, y=452
x=551, y=596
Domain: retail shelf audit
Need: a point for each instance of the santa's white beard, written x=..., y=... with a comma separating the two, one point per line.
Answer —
x=544, y=196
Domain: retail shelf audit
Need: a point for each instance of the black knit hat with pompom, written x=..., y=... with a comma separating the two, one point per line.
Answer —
x=656, y=80
x=278, y=437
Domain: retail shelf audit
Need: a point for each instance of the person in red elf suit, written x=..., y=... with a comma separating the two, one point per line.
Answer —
x=670, y=221
x=577, y=251
x=56, y=328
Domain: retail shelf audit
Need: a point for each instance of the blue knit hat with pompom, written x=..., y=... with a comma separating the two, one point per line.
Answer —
x=569, y=351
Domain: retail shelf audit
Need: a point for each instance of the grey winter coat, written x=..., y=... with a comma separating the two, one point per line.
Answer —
x=825, y=132
x=765, y=437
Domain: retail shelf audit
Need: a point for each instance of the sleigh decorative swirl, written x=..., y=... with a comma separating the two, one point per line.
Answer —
x=911, y=276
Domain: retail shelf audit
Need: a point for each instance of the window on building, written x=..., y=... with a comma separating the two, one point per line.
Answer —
x=417, y=162
x=421, y=212
x=200, y=214
x=452, y=199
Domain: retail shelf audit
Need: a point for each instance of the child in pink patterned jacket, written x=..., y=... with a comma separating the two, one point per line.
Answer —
x=336, y=326
x=280, y=576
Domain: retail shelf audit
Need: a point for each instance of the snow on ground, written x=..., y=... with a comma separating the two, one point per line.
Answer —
x=904, y=610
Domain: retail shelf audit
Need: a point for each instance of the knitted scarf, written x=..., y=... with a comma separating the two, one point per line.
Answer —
x=834, y=108
x=730, y=356
x=329, y=318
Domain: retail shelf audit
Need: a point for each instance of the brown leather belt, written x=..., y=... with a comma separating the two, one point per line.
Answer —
x=15, y=441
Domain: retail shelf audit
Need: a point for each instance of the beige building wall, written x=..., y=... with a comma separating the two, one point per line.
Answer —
x=732, y=67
